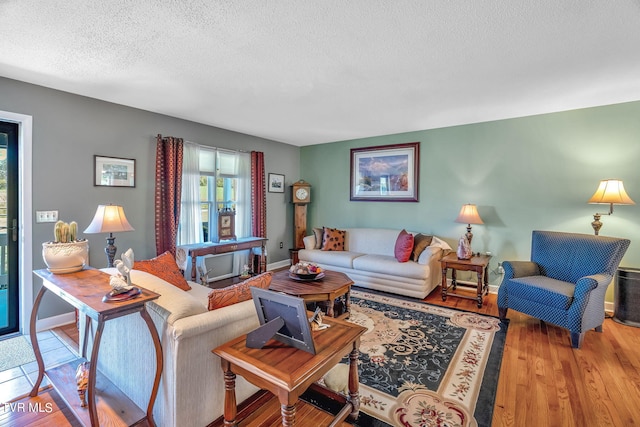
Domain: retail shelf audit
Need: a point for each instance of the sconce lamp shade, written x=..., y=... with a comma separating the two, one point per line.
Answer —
x=109, y=219
x=469, y=215
x=611, y=191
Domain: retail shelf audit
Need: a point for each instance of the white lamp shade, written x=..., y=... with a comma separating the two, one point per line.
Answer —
x=109, y=219
x=469, y=215
x=611, y=191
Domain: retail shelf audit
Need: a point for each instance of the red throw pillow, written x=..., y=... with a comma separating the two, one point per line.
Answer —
x=404, y=246
x=239, y=292
x=332, y=239
x=164, y=266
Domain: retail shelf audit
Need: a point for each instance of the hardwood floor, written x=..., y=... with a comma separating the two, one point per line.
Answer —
x=543, y=381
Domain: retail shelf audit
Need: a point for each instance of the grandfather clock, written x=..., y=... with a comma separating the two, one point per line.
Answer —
x=300, y=196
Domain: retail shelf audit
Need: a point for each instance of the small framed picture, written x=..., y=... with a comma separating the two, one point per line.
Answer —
x=114, y=172
x=276, y=183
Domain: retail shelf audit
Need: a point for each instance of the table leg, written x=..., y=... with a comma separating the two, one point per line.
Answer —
x=34, y=342
x=230, y=406
x=193, y=267
x=159, y=363
x=347, y=302
x=93, y=371
x=444, y=283
x=330, y=304
x=480, y=287
x=288, y=414
x=454, y=282
x=354, y=392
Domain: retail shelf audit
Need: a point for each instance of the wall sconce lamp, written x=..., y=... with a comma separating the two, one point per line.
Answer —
x=469, y=215
x=609, y=191
x=109, y=219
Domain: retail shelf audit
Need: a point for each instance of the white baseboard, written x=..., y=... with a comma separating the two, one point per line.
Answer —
x=285, y=263
x=55, y=321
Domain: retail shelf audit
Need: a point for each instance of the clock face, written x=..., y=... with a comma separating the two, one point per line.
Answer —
x=301, y=193
x=226, y=221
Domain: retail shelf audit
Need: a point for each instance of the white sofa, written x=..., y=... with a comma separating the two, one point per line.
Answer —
x=369, y=260
x=192, y=386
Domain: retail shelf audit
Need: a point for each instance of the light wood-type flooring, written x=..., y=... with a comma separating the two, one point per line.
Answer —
x=543, y=381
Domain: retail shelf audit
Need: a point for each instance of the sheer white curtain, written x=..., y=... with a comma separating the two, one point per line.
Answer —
x=190, y=228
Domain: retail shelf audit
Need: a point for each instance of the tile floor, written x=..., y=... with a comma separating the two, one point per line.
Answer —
x=17, y=382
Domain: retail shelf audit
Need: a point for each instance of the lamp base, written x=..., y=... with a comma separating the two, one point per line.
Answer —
x=596, y=224
x=110, y=250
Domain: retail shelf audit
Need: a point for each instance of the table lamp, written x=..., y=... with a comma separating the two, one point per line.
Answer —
x=109, y=219
x=609, y=191
x=469, y=215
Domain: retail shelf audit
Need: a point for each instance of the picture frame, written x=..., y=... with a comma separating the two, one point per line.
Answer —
x=114, y=171
x=385, y=173
x=276, y=183
x=282, y=317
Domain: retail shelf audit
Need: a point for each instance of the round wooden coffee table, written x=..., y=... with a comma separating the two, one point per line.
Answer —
x=332, y=286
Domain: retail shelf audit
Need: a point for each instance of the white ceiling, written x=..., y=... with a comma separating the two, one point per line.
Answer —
x=314, y=71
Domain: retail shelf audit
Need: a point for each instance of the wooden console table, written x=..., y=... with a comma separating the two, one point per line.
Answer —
x=287, y=372
x=84, y=290
x=209, y=248
x=477, y=263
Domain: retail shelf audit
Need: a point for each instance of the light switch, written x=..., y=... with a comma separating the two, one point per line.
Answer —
x=46, y=216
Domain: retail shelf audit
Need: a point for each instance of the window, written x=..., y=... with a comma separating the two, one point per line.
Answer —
x=222, y=178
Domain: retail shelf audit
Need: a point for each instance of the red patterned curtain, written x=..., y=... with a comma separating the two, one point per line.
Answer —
x=168, y=192
x=258, y=199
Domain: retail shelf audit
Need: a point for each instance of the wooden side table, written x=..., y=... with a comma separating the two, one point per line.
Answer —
x=287, y=372
x=84, y=290
x=477, y=263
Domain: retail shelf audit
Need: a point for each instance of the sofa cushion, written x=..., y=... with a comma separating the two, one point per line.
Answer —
x=385, y=264
x=318, y=233
x=404, y=246
x=420, y=243
x=164, y=266
x=332, y=239
x=543, y=290
x=239, y=292
x=342, y=259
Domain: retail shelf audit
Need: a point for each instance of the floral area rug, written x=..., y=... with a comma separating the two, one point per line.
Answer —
x=424, y=365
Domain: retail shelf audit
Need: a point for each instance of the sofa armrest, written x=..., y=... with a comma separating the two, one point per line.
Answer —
x=309, y=242
x=513, y=269
x=215, y=319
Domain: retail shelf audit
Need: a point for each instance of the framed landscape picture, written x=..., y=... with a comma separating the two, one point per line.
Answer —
x=276, y=183
x=114, y=172
x=385, y=173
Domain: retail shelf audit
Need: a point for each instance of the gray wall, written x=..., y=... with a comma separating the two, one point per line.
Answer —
x=68, y=130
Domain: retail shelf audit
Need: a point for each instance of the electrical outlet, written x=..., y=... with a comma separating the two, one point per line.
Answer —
x=281, y=245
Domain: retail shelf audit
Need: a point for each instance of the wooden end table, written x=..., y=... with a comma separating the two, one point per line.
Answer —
x=84, y=290
x=287, y=372
x=332, y=286
x=477, y=263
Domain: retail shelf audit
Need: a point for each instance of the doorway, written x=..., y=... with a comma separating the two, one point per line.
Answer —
x=9, y=255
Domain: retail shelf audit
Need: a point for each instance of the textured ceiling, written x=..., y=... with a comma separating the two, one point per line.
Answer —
x=306, y=72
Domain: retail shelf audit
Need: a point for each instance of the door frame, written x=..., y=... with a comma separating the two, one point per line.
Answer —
x=25, y=217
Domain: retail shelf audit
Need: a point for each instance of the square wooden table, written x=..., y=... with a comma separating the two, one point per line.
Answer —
x=332, y=286
x=287, y=372
x=477, y=263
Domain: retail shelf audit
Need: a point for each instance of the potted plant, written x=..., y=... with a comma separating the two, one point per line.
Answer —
x=67, y=253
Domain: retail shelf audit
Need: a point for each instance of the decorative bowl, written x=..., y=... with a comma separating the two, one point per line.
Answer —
x=305, y=270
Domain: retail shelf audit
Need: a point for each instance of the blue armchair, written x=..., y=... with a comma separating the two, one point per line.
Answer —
x=565, y=281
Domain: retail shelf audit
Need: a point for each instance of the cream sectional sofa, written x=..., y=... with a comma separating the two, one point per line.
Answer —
x=192, y=384
x=369, y=260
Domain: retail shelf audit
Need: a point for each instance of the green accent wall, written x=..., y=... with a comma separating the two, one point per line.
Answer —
x=523, y=174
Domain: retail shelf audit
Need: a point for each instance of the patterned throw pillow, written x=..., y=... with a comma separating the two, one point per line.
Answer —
x=164, y=266
x=239, y=292
x=420, y=243
x=317, y=232
x=332, y=239
x=404, y=246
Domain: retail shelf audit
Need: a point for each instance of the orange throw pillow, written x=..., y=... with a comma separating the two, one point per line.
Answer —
x=332, y=239
x=164, y=266
x=239, y=292
x=404, y=246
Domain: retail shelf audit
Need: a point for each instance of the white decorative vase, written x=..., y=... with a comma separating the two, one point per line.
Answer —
x=65, y=257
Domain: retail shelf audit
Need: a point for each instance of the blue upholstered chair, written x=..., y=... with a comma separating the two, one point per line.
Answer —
x=565, y=281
